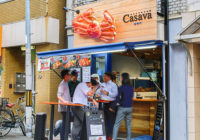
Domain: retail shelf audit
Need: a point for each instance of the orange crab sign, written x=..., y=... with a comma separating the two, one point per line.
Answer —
x=87, y=25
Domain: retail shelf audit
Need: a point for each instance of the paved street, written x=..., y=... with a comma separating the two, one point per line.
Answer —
x=15, y=134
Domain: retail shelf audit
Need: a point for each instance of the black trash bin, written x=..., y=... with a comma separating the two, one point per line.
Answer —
x=40, y=126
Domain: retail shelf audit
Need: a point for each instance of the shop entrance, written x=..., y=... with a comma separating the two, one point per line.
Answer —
x=145, y=93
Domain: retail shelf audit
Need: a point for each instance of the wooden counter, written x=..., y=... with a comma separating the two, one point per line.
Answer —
x=144, y=113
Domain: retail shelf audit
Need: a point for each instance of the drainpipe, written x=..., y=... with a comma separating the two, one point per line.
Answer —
x=69, y=18
x=166, y=104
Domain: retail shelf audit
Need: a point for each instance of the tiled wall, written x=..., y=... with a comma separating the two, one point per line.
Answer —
x=10, y=67
x=46, y=82
x=194, y=94
x=176, y=7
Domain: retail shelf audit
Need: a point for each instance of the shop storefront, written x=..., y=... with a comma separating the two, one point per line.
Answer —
x=118, y=58
x=131, y=26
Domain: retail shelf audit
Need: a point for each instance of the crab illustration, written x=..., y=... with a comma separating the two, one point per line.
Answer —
x=87, y=25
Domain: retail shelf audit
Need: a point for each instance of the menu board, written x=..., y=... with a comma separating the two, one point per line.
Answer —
x=43, y=64
x=56, y=62
x=86, y=72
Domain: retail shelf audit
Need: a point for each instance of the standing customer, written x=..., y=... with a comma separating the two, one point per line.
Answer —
x=63, y=96
x=125, y=102
x=73, y=82
x=109, y=92
x=82, y=93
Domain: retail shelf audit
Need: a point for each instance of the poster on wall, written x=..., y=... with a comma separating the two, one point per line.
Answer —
x=78, y=71
x=69, y=61
x=56, y=62
x=86, y=72
x=43, y=64
x=83, y=60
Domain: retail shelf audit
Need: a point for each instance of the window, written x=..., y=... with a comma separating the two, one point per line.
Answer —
x=3, y=1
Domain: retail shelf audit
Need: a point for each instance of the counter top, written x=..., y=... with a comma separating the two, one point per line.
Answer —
x=145, y=100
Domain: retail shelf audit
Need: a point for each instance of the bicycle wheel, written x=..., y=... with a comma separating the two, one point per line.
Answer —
x=6, y=122
x=23, y=128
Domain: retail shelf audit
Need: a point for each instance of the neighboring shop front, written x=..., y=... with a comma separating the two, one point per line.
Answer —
x=136, y=29
x=189, y=37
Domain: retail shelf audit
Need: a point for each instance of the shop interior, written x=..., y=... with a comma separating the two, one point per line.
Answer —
x=145, y=93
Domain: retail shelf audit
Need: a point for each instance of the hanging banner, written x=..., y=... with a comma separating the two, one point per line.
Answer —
x=56, y=62
x=83, y=60
x=69, y=61
x=43, y=64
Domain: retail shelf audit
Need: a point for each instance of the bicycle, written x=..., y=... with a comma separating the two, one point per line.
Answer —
x=9, y=119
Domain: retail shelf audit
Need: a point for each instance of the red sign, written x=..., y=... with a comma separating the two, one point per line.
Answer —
x=87, y=25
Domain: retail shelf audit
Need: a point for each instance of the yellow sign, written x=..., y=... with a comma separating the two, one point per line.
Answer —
x=28, y=98
x=135, y=20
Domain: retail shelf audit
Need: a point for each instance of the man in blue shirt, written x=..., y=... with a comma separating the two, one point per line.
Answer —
x=109, y=92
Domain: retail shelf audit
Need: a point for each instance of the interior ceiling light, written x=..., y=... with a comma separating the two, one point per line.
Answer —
x=111, y=51
x=145, y=47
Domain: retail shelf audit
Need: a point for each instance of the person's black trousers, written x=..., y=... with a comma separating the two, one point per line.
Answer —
x=67, y=127
x=109, y=119
x=78, y=122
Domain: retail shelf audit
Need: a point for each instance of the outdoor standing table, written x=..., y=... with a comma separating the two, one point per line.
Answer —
x=64, y=118
x=101, y=102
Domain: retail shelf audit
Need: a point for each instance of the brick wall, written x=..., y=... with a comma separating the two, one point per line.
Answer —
x=176, y=7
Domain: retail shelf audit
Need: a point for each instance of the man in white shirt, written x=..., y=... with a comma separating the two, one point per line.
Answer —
x=81, y=95
x=63, y=96
x=109, y=92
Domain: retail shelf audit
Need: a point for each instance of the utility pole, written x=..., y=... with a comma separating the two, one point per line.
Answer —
x=28, y=72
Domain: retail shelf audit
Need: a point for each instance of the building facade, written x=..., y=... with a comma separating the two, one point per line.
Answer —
x=47, y=33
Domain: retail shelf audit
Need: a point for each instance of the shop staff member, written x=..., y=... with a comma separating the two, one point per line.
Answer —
x=109, y=92
x=63, y=96
x=82, y=93
x=73, y=82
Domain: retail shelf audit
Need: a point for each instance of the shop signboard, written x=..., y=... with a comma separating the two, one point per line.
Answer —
x=135, y=20
x=43, y=64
